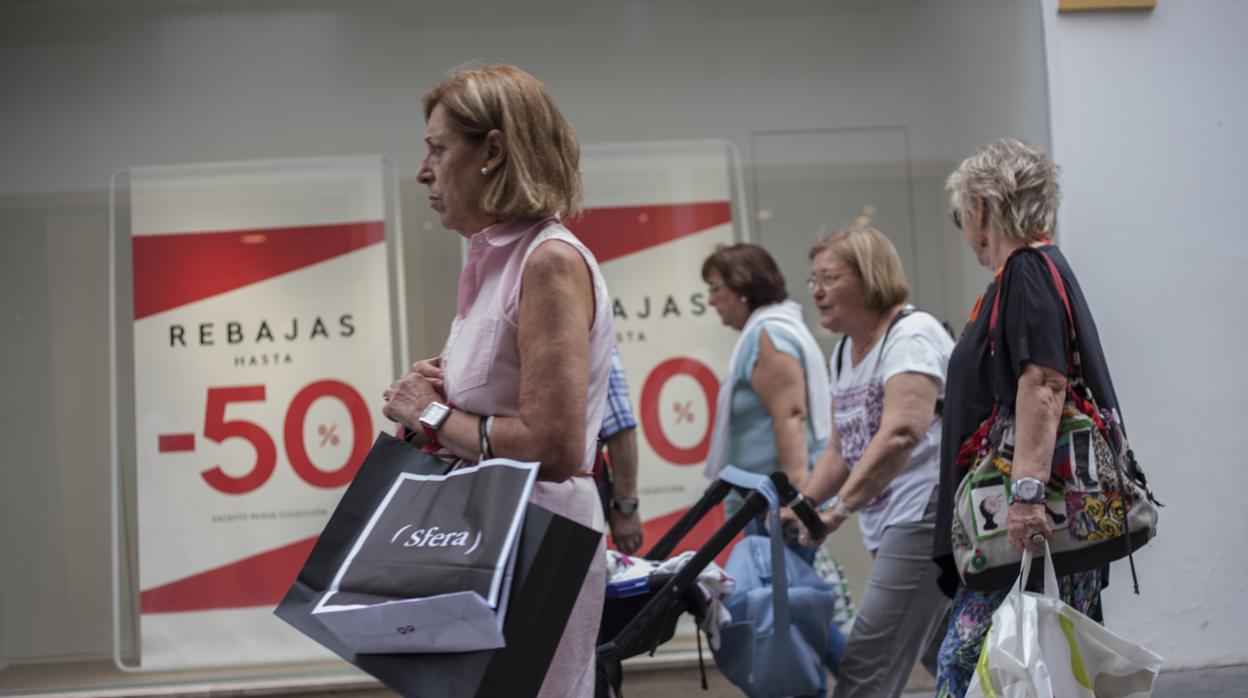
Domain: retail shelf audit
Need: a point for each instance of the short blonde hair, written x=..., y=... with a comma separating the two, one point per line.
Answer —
x=540, y=175
x=874, y=259
x=1017, y=182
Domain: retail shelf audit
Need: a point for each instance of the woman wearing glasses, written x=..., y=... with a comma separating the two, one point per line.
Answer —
x=882, y=461
x=773, y=411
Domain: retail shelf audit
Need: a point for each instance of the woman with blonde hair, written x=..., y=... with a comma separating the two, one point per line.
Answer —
x=1012, y=358
x=887, y=379
x=523, y=374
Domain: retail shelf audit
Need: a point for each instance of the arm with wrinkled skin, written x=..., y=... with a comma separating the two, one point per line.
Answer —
x=780, y=384
x=555, y=315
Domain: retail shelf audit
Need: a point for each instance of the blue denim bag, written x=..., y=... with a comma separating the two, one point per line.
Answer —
x=776, y=642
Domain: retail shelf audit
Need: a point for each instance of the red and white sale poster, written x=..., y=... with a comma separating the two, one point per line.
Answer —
x=653, y=214
x=262, y=344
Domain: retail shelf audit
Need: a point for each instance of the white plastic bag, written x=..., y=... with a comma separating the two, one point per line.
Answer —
x=1039, y=647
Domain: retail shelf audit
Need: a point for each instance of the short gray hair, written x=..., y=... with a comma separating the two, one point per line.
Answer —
x=1018, y=184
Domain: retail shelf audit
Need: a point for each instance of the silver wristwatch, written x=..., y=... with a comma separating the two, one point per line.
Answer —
x=1027, y=490
x=434, y=416
x=838, y=505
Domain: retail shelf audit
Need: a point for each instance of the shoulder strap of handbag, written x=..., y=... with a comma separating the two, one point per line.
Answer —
x=905, y=312
x=1080, y=391
x=1074, y=366
x=1074, y=369
x=840, y=346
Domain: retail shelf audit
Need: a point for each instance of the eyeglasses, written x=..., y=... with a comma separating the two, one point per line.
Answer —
x=821, y=281
x=957, y=218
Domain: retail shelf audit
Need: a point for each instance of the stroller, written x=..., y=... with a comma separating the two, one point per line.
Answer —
x=641, y=614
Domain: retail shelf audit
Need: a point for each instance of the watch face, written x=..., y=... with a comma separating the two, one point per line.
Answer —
x=1028, y=490
x=435, y=413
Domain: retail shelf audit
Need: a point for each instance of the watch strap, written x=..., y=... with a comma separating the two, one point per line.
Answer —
x=627, y=507
x=1016, y=497
x=838, y=505
x=432, y=445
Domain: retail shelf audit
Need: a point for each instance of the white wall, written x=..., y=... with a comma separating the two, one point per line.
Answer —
x=90, y=88
x=1150, y=126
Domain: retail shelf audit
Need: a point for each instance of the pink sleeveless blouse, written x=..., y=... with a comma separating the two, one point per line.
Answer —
x=481, y=368
x=481, y=359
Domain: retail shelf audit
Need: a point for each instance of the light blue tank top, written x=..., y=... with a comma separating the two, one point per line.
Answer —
x=751, y=432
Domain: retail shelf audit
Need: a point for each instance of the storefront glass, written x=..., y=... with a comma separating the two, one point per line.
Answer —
x=831, y=112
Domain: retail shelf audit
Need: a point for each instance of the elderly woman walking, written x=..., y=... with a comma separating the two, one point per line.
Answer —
x=1004, y=199
x=523, y=374
x=773, y=411
x=887, y=378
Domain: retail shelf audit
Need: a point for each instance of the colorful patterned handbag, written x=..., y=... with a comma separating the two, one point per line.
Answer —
x=1099, y=504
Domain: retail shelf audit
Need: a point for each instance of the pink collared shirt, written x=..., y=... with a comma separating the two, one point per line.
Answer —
x=481, y=367
x=481, y=359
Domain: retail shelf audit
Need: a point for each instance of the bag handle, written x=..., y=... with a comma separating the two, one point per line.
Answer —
x=779, y=576
x=1074, y=365
x=1078, y=390
x=1051, y=588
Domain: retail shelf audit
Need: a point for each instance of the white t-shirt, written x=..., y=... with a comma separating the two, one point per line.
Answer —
x=916, y=344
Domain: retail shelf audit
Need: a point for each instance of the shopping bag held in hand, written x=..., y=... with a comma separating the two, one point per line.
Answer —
x=551, y=557
x=429, y=570
x=1038, y=646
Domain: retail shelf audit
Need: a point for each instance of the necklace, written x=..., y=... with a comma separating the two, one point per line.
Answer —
x=869, y=344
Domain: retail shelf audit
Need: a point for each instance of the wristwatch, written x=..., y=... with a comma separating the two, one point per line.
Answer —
x=433, y=417
x=838, y=505
x=1027, y=490
x=627, y=507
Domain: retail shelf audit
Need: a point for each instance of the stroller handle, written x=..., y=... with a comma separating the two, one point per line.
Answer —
x=635, y=637
x=793, y=499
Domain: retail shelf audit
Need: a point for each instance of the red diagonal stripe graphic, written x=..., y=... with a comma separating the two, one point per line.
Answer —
x=611, y=232
x=259, y=580
x=173, y=270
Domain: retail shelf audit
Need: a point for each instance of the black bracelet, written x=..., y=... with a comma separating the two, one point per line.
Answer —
x=483, y=437
x=483, y=440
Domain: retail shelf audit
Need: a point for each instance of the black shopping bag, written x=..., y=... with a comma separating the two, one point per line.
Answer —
x=427, y=572
x=552, y=555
